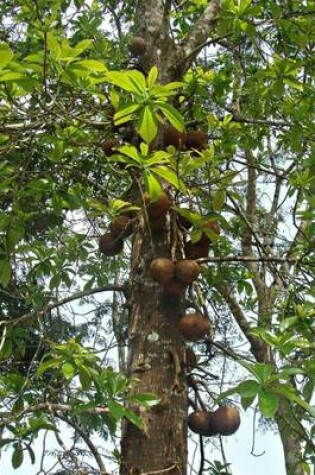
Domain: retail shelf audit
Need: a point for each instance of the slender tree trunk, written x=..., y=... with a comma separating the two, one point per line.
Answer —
x=291, y=442
x=156, y=353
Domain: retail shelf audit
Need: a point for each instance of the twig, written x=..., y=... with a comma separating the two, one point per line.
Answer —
x=70, y=298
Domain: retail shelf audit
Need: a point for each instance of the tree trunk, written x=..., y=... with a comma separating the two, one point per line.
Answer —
x=291, y=441
x=156, y=354
x=156, y=348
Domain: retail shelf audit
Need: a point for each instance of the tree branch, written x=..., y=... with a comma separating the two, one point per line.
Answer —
x=201, y=30
x=70, y=298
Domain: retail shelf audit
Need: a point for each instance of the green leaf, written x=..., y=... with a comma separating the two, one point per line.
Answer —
x=17, y=457
x=11, y=76
x=261, y=371
x=148, y=127
x=117, y=410
x=218, y=200
x=247, y=401
x=146, y=399
x=92, y=65
x=31, y=454
x=5, y=272
x=136, y=420
x=289, y=393
x=266, y=336
x=85, y=377
x=138, y=79
x=152, y=184
x=6, y=55
x=170, y=176
x=125, y=114
x=152, y=77
x=68, y=370
x=13, y=236
x=122, y=80
x=82, y=46
x=53, y=45
x=248, y=389
x=131, y=152
x=172, y=115
x=268, y=403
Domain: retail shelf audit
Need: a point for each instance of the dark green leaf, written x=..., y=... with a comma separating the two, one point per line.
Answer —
x=17, y=457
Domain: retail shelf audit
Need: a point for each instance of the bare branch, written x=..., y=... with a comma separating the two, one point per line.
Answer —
x=52, y=306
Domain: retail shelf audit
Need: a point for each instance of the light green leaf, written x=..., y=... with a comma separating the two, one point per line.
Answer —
x=148, y=127
x=172, y=115
x=268, y=403
x=170, y=176
x=152, y=185
x=53, y=45
x=131, y=152
x=146, y=399
x=126, y=111
x=92, y=65
x=6, y=55
x=68, y=370
x=11, y=76
x=138, y=79
x=121, y=80
x=152, y=77
x=82, y=46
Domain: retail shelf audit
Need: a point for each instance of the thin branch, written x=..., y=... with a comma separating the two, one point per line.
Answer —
x=88, y=442
x=258, y=348
x=51, y=408
x=70, y=298
x=288, y=260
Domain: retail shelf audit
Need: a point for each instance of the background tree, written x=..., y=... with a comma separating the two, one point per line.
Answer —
x=164, y=130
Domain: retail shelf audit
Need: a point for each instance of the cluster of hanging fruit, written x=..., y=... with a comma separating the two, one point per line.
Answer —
x=224, y=421
x=112, y=242
x=155, y=213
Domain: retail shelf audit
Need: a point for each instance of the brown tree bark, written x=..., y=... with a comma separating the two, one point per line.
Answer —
x=291, y=441
x=156, y=348
x=156, y=354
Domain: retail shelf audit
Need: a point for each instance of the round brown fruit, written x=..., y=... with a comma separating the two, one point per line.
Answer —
x=121, y=227
x=162, y=270
x=226, y=420
x=138, y=46
x=109, y=245
x=196, y=139
x=200, y=423
x=191, y=358
x=194, y=326
x=196, y=250
x=173, y=137
x=186, y=271
x=158, y=206
x=109, y=146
